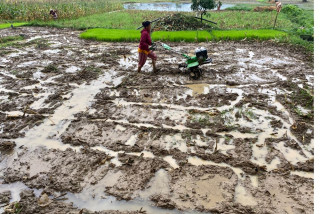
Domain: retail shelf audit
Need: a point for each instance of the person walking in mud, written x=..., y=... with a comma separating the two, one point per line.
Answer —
x=143, y=50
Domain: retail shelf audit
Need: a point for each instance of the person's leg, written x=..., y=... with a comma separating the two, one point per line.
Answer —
x=142, y=61
x=153, y=56
x=154, y=65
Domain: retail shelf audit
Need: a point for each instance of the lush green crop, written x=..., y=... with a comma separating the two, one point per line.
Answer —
x=178, y=36
x=248, y=34
x=7, y=25
x=118, y=35
x=29, y=10
x=111, y=35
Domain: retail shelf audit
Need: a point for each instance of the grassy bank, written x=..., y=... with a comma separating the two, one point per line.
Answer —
x=117, y=35
x=303, y=24
x=249, y=20
x=132, y=19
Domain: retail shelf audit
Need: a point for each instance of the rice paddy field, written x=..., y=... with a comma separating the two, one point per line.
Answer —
x=118, y=35
x=82, y=15
x=82, y=132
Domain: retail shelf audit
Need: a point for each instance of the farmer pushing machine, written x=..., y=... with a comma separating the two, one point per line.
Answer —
x=144, y=51
x=191, y=65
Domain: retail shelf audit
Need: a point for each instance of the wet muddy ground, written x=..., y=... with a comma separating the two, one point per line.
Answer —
x=82, y=132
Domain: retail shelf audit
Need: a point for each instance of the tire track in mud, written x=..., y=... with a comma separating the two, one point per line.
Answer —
x=207, y=145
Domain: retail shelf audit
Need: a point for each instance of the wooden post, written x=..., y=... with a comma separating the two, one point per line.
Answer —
x=275, y=21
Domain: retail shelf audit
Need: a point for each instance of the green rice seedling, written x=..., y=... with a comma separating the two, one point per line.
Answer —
x=51, y=68
x=8, y=25
x=111, y=35
x=117, y=35
x=248, y=34
x=42, y=44
x=178, y=36
x=9, y=40
x=6, y=39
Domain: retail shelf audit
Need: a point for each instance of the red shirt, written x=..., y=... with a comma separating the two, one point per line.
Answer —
x=145, y=40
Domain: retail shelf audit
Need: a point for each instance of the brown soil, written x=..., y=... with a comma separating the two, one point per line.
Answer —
x=82, y=132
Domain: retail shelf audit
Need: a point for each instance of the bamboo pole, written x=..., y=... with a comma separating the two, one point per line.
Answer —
x=275, y=21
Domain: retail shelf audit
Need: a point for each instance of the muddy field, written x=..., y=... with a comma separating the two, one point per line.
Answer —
x=82, y=132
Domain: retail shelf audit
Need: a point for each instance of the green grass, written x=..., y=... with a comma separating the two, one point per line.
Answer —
x=9, y=40
x=303, y=20
x=7, y=25
x=132, y=19
x=248, y=34
x=249, y=20
x=243, y=7
x=117, y=35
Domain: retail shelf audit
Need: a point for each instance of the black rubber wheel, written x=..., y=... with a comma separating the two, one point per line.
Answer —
x=182, y=65
x=195, y=73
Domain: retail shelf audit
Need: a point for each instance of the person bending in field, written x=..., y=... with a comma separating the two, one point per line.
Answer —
x=54, y=14
x=144, y=51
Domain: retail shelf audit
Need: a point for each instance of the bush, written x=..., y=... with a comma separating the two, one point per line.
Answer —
x=240, y=7
x=292, y=10
x=303, y=19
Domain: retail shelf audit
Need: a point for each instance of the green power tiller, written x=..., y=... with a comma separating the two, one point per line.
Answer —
x=192, y=63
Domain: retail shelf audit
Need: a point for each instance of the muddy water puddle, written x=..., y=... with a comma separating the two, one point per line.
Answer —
x=60, y=120
x=160, y=142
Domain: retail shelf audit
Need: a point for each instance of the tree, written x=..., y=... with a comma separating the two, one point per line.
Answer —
x=202, y=6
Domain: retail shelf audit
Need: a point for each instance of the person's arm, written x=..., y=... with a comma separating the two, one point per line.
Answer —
x=149, y=42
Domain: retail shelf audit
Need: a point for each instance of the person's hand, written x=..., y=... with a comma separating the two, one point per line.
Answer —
x=153, y=46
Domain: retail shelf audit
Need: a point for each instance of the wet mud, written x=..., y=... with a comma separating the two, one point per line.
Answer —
x=82, y=132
